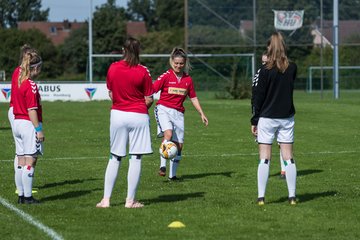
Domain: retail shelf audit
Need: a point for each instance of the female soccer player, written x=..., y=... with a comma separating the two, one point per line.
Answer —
x=175, y=85
x=14, y=82
x=27, y=124
x=130, y=89
x=273, y=114
x=264, y=59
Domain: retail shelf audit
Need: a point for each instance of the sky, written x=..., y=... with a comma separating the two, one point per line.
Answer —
x=73, y=9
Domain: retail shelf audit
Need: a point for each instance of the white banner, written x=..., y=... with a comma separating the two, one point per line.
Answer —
x=288, y=20
x=64, y=91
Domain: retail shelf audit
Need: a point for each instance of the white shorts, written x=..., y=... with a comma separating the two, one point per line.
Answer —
x=11, y=118
x=25, y=139
x=268, y=128
x=129, y=128
x=170, y=119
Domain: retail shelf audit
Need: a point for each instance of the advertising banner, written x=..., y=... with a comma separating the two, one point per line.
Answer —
x=288, y=20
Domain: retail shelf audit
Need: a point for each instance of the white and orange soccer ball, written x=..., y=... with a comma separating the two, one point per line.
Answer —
x=168, y=150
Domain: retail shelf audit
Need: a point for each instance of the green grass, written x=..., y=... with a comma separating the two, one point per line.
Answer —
x=216, y=199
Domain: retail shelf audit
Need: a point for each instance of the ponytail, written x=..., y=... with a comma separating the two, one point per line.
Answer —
x=30, y=61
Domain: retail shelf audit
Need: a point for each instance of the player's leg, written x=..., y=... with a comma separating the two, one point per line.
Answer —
x=133, y=177
x=263, y=170
x=178, y=138
x=266, y=132
x=118, y=142
x=286, y=139
x=282, y=172
x=164, y=130
x=139, y=144
x=28, y=178
x=20, y=162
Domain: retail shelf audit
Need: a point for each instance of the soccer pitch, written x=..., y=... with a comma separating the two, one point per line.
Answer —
x=216, y=198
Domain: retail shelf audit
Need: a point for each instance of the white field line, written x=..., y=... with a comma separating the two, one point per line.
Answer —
x=195, y=155
x=28, y=218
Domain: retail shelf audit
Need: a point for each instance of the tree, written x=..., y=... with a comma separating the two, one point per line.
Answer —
x=109, y=33
x=13, y=11
x=11, y=41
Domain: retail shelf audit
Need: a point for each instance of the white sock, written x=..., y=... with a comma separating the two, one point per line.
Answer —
x=111, y=174
x=18, y=180
x=162, y=162
x=290, y=169
x=174, y=163
x=133, y=176
x=27, y=180
x=263, y=176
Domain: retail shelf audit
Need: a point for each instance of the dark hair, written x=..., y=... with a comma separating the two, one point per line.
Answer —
x=31, y=60
x=131, y=50
x=179, y=52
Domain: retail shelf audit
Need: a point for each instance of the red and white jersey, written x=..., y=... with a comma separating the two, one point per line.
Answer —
x=14, y=83
x=27, y=97
x=174, y=91
x=129, y=86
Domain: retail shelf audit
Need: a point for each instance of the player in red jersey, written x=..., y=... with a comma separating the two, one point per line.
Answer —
x=130, y=89
x=28, y=123
x=11, y=117
x=175, y=86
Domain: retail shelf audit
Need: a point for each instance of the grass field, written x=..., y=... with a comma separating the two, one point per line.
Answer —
x=215, y=199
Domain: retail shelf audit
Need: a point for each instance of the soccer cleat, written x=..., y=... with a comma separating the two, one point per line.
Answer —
x=261, y=201
x=31, y=200
x=292, y=200
x=21, y=200
x=162, y=171
x=282, y=175
x=174, y=178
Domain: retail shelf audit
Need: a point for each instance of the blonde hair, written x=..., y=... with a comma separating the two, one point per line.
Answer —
x=277, y=53
x=31, y=60
x=179, y=52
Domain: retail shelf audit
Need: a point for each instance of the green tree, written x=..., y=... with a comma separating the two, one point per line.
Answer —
x=13, y=11
x=109, y=33
x=11, y=41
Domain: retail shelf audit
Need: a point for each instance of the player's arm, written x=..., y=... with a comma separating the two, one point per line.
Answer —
x=198, y=108
x=37, y=125
x=149, y=101
x=110, y=95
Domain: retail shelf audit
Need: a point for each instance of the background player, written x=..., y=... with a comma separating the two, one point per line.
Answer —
x=175, y=85
x=28, y=123
x=273, y=114
x=130, y=89
x=264, y=59
x=14, y=82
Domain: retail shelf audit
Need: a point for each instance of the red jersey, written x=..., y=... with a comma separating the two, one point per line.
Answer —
x=129, y=86
x=27, y=97
x=14, y=83
x=174, y=91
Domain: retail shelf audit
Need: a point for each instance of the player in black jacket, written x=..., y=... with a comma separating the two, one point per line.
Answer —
x=273, y=114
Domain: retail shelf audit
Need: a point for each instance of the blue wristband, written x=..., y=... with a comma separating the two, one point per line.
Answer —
x=39, y=128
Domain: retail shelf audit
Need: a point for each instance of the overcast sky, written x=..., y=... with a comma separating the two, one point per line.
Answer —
x=73, y=9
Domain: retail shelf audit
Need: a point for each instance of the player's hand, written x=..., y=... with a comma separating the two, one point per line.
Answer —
x=40, y=136
x=204, y=120
x=254, y=130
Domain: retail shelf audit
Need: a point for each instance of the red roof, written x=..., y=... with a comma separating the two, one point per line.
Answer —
x=57, y=32
x=135, y=29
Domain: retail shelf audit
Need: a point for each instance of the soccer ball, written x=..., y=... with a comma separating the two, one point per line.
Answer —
x=168, y=150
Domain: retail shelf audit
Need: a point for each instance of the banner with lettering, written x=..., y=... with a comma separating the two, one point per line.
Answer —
x=288, y=20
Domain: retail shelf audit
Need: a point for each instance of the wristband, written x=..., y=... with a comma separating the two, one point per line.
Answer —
x=38, y=128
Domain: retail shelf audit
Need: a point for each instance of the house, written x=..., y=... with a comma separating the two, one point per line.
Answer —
x=136, y=29
x=347, y=28
x=59, y=31
x=56, y=31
